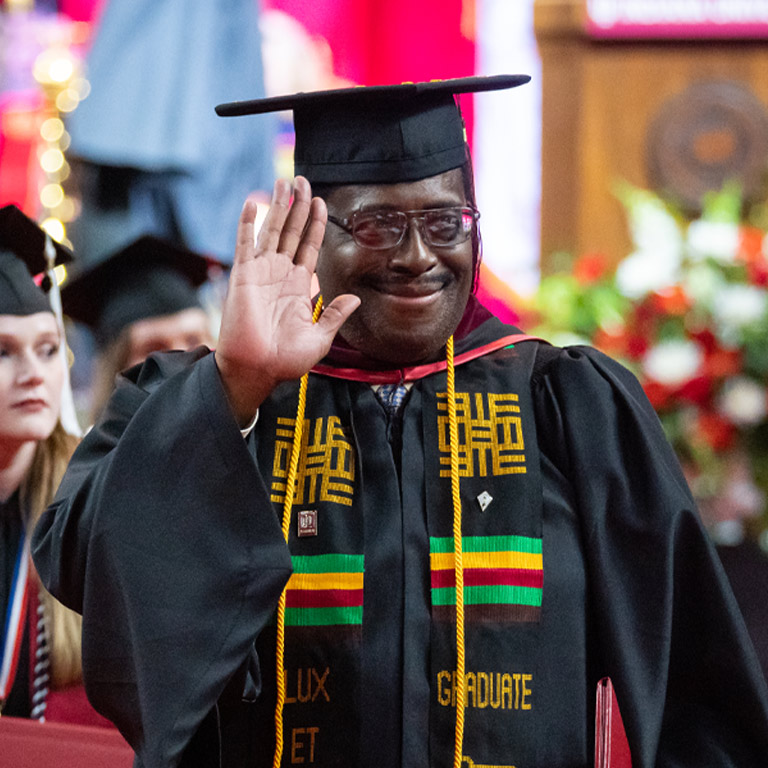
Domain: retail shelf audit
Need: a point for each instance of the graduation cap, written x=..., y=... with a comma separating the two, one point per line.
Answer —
x=150, y=277
x=22, y=256
x=377, y=134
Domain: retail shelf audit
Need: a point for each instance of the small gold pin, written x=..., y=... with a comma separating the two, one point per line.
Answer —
x=484, y=499
x=307, y=522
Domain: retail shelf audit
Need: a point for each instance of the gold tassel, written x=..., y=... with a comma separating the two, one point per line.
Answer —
x=290, y=489
x=458, y=563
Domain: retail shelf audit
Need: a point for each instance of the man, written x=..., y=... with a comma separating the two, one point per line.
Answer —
x=143, y=298
x=429, y=448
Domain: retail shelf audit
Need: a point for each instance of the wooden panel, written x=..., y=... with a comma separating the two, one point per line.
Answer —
x=599, y=99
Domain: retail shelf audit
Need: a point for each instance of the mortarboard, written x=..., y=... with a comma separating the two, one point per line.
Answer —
x=377, y=134
x=150, y=277
x=22, y=256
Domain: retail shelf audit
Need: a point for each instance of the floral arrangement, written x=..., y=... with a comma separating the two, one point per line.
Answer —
x=687, y=312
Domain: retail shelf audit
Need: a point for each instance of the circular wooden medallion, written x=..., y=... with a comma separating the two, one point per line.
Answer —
x=711, y=133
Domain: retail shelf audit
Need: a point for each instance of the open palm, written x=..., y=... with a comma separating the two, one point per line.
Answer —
x=267, y=334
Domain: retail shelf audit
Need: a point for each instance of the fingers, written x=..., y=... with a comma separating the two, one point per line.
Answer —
x=268, y=239
x=295, y=224
x=294, y=228
x=244, y=242
x=312, y=237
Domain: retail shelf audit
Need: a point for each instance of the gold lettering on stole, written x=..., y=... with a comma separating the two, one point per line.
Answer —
x=301, y=739
x=499, y=690
x=471, y=694
x=444, y=688
x=526, y=692
x=309, y=685
x=495, y=699
x=481, y=690
x=506, y=691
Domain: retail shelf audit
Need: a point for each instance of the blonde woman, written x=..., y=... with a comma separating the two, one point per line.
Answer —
x=40, y=672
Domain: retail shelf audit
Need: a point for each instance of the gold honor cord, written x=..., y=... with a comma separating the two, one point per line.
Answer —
x=458, y=564
x=290, y=488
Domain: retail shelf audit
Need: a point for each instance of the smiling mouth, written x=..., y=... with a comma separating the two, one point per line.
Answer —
x=410, y=289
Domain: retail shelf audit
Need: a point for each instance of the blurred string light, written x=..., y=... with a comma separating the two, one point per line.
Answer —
x=58, y=71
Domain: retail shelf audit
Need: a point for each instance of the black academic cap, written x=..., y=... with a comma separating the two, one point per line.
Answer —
x=377, y=134
x=150, y=277
x=22, y=256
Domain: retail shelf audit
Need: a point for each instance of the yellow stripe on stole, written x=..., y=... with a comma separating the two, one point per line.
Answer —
x=529, y=560
x=325, y=581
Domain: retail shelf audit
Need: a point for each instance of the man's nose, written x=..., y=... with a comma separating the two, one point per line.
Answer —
x=413, y=254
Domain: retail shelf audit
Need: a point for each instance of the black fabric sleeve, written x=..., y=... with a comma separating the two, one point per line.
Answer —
x=163, y=536
x=665, y=625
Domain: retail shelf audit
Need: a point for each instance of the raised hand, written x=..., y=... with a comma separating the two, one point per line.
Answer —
x=267, y=335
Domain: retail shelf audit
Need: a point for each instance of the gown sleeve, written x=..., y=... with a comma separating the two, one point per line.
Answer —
x=663, y=621
x=163, y=536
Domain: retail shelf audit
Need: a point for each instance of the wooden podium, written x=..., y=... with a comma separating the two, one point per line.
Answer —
x=633, y=109
x=30, y=744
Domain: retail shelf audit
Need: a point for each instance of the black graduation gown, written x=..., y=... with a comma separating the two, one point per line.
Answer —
x=746, y=565
x=165, y=534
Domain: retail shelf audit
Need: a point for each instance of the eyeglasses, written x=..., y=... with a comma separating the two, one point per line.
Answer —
x=439, y=227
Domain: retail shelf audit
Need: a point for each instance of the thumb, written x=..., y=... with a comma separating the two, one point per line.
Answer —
x=336, y=314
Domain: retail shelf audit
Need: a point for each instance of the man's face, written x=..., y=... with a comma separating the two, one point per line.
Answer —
x=413, y=295
x=185, y=330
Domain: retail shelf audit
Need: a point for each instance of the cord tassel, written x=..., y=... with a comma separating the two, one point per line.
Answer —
x=458, y=562
x=290, y=488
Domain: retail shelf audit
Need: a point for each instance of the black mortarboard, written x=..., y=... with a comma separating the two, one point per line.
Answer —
x=22, y=256
x=150, y=277
x=377, y=134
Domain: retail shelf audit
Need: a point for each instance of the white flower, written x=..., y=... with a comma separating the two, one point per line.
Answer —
x=716, y=239
x=645, y=271
x=743, y=401
x=702, y=282
x=673, y=362
x=735, y=306
x=652, y=228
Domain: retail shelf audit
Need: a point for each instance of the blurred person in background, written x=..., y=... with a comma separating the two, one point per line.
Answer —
x=147, y=151
x=144, y=298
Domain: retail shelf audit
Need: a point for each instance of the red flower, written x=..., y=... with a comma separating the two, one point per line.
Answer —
x=697, y=390
x=671, y=301
x=658, y=394
x=720, y=363
x=637, y=346
x=715, y=431
x=705, y=338
x=751, y=253
x=613, y=344
x=590, y=268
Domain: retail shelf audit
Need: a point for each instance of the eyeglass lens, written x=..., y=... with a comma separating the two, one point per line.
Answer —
x=386, y=229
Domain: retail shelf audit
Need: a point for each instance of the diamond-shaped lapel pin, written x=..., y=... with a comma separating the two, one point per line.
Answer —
x=484, y=499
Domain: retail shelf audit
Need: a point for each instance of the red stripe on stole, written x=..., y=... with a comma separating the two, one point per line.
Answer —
x=485, y=577
x=323, y=598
